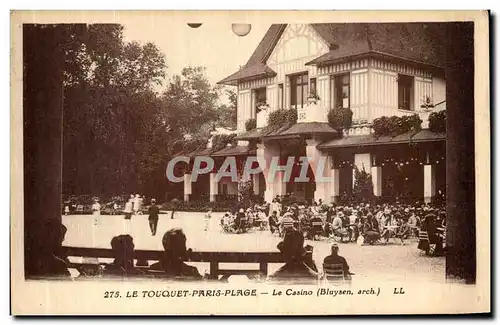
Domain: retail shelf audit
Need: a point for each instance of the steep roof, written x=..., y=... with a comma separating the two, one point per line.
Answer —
x=256, y=66
x=418, y=42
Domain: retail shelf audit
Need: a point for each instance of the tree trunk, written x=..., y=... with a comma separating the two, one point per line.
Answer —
x=460, y=178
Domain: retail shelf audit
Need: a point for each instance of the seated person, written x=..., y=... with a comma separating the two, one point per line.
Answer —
x=296, y=268
x=123, y=250
x=413, y=223
x=239, y=220
x=316, y=226
x=172, y=262
x=429, y=225
x=44, y=255
x=273, y=222
x=338, y=226
x=370, y=229
x=404, y=231
x=335, y=258
x=387, y=230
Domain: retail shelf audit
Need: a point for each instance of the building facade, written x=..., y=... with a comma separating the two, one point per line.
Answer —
x=373, y=70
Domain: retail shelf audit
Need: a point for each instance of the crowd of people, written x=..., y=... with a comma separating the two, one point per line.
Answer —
x=363, y=223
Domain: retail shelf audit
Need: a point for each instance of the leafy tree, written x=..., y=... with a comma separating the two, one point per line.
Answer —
x=119, y=132
x=363, y=186
x=227, y=114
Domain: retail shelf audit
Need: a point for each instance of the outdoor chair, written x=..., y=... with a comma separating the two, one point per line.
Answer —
x=316, y=229
x=286, y=227
x=424, y=243
x=334, y=273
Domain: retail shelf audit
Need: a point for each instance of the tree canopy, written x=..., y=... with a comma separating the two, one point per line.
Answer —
x=123, y=119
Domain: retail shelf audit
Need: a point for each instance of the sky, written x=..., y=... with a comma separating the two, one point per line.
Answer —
x=212, y=45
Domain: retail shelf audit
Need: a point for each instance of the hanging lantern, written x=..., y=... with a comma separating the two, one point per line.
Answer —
x=194, y=25
x=241, y=29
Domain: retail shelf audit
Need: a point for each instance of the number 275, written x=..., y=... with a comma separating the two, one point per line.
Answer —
x=111, y=294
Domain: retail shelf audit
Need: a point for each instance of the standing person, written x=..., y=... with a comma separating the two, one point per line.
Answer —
x=115, y=207
x=175, y=203
x=96, y=211
x=128, y=209
x=66, y=210
x=208, y=216
x=136, y=204
x=153, y=217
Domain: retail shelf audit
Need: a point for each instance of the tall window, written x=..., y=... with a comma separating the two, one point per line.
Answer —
x=299, y=90
x=280, y=96
x=259, y=98
x=340, y=90
x=313, y=86
x=405, y=92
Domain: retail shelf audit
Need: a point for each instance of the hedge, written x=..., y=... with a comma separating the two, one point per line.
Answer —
x=394, y=125
x=340, y=118
x=250, y=124
x=437, y=121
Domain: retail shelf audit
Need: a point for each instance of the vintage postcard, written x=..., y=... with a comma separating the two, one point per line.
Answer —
x=250, y=162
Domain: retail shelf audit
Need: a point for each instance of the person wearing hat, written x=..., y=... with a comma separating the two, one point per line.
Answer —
x=338, y=225
x=96, y=211
x=176, y=252
x=296, y=268
x=335, y=259
x=153, y=212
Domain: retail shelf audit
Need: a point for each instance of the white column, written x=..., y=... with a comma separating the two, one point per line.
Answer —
x=279, y=183
x=315, y=158
x=429, y=182
x=214, y=187
x=256, y=184
x=187, y=186
x=377, y=180
x=265, y=153
x=334, y=186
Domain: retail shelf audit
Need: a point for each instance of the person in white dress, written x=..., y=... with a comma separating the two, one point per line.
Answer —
x=137, y=204
x=128, y=209
x=208, y=216
x=96, y=211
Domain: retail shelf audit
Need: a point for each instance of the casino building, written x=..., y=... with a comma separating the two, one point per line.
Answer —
x=377, y=71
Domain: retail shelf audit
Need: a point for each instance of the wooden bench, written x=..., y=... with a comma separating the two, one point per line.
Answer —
x=213, y=258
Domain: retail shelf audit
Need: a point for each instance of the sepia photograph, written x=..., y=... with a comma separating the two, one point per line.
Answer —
x=252, y=162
